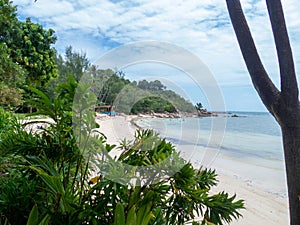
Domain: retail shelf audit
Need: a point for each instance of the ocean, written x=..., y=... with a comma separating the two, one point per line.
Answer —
x=246, y=145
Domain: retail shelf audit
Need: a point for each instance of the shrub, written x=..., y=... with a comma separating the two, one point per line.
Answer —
x=48, y=178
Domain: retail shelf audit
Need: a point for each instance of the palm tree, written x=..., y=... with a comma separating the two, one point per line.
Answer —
x=199, y=107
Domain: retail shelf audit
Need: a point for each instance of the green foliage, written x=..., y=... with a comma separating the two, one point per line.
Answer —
x=45, y=159
x=28, y=46
x=9, y=29
x=10, y=97
x=159, y=99
x=152, y=85
x=112, y=87
x=155, y=104
x=131, y=97
x=76, y=63
x=11, y=73
x=199, y=106
x=7, y=122
x=73, y=64
x=26, y=55
x=49, y=173
x=34, y=218
x=36, y=54
x=17, y=192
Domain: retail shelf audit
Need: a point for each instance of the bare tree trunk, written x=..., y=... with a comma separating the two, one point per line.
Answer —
x=284, y=104
x=291, y=143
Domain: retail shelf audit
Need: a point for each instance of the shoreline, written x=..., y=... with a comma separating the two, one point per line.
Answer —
x=262, y=207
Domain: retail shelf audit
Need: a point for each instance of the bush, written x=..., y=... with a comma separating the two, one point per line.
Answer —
x=48, y=179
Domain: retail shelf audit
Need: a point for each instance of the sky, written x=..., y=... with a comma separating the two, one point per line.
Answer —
x=196, y=28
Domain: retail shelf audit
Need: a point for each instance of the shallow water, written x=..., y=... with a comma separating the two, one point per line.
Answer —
x=248, y=146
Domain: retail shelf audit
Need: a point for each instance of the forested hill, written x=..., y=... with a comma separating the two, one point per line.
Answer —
x=113, y=88
x=137, y=97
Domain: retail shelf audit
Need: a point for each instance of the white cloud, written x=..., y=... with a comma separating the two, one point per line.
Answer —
x=45, y=8
x=202, y=27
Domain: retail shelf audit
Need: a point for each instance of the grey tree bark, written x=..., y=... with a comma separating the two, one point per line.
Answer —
x=283, y=104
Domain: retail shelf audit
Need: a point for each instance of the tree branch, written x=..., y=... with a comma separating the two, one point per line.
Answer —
x=289, y=87
x=260, y=79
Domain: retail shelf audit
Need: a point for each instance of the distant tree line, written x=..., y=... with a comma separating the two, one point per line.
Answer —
x=112, y=88
x=139, y=97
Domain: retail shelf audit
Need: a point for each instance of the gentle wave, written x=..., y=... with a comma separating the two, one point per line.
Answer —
x=250, y=145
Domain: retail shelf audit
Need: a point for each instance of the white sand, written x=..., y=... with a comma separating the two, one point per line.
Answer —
x=261, y=207
x=116, y=128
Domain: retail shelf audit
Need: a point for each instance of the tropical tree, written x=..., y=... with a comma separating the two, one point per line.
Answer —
x=12, y=75
x=283, y=104
x=26, y=55
x=76, y=63
x=35, y=53
x=72, y=63
x=198, y=107
x=100, y=79
x=151, y=85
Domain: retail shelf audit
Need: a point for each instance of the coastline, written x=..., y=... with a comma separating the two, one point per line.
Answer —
x=262, y=206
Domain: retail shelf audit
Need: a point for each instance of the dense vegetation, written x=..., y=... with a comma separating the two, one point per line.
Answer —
x=142, y=97
x=27, y=57
x=47, y=174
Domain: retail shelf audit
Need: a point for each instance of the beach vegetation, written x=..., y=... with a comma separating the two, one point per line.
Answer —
x=131, y=97
x=29, y=59
x=72, y=63
x=199, y=106
x=55, y=175
x=112, y=88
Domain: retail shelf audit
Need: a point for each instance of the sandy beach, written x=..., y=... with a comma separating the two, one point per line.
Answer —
x=262, y=207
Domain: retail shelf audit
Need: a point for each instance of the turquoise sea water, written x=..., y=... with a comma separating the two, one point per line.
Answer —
x=248, y=146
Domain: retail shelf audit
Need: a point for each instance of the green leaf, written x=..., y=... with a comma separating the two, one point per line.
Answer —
x=55, y=186
x=119, y=215
x=144, y=214
x=131, y=216
x=135, y=196
x=45, y=220
x=33, y=216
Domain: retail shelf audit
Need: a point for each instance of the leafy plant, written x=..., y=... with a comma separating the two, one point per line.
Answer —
x=49, y=173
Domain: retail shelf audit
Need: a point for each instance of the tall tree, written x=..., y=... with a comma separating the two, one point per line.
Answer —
x=283, y=104
x=37, y=54
x=8, y=21
x=11, y=73
x=26, y=54
x=76, y=63
x=72, y=63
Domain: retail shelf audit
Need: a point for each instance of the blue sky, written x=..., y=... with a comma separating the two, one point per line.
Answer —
x=201, y=27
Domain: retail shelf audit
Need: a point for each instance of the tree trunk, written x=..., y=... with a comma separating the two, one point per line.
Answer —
x=284, y=104
x=290, y=128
